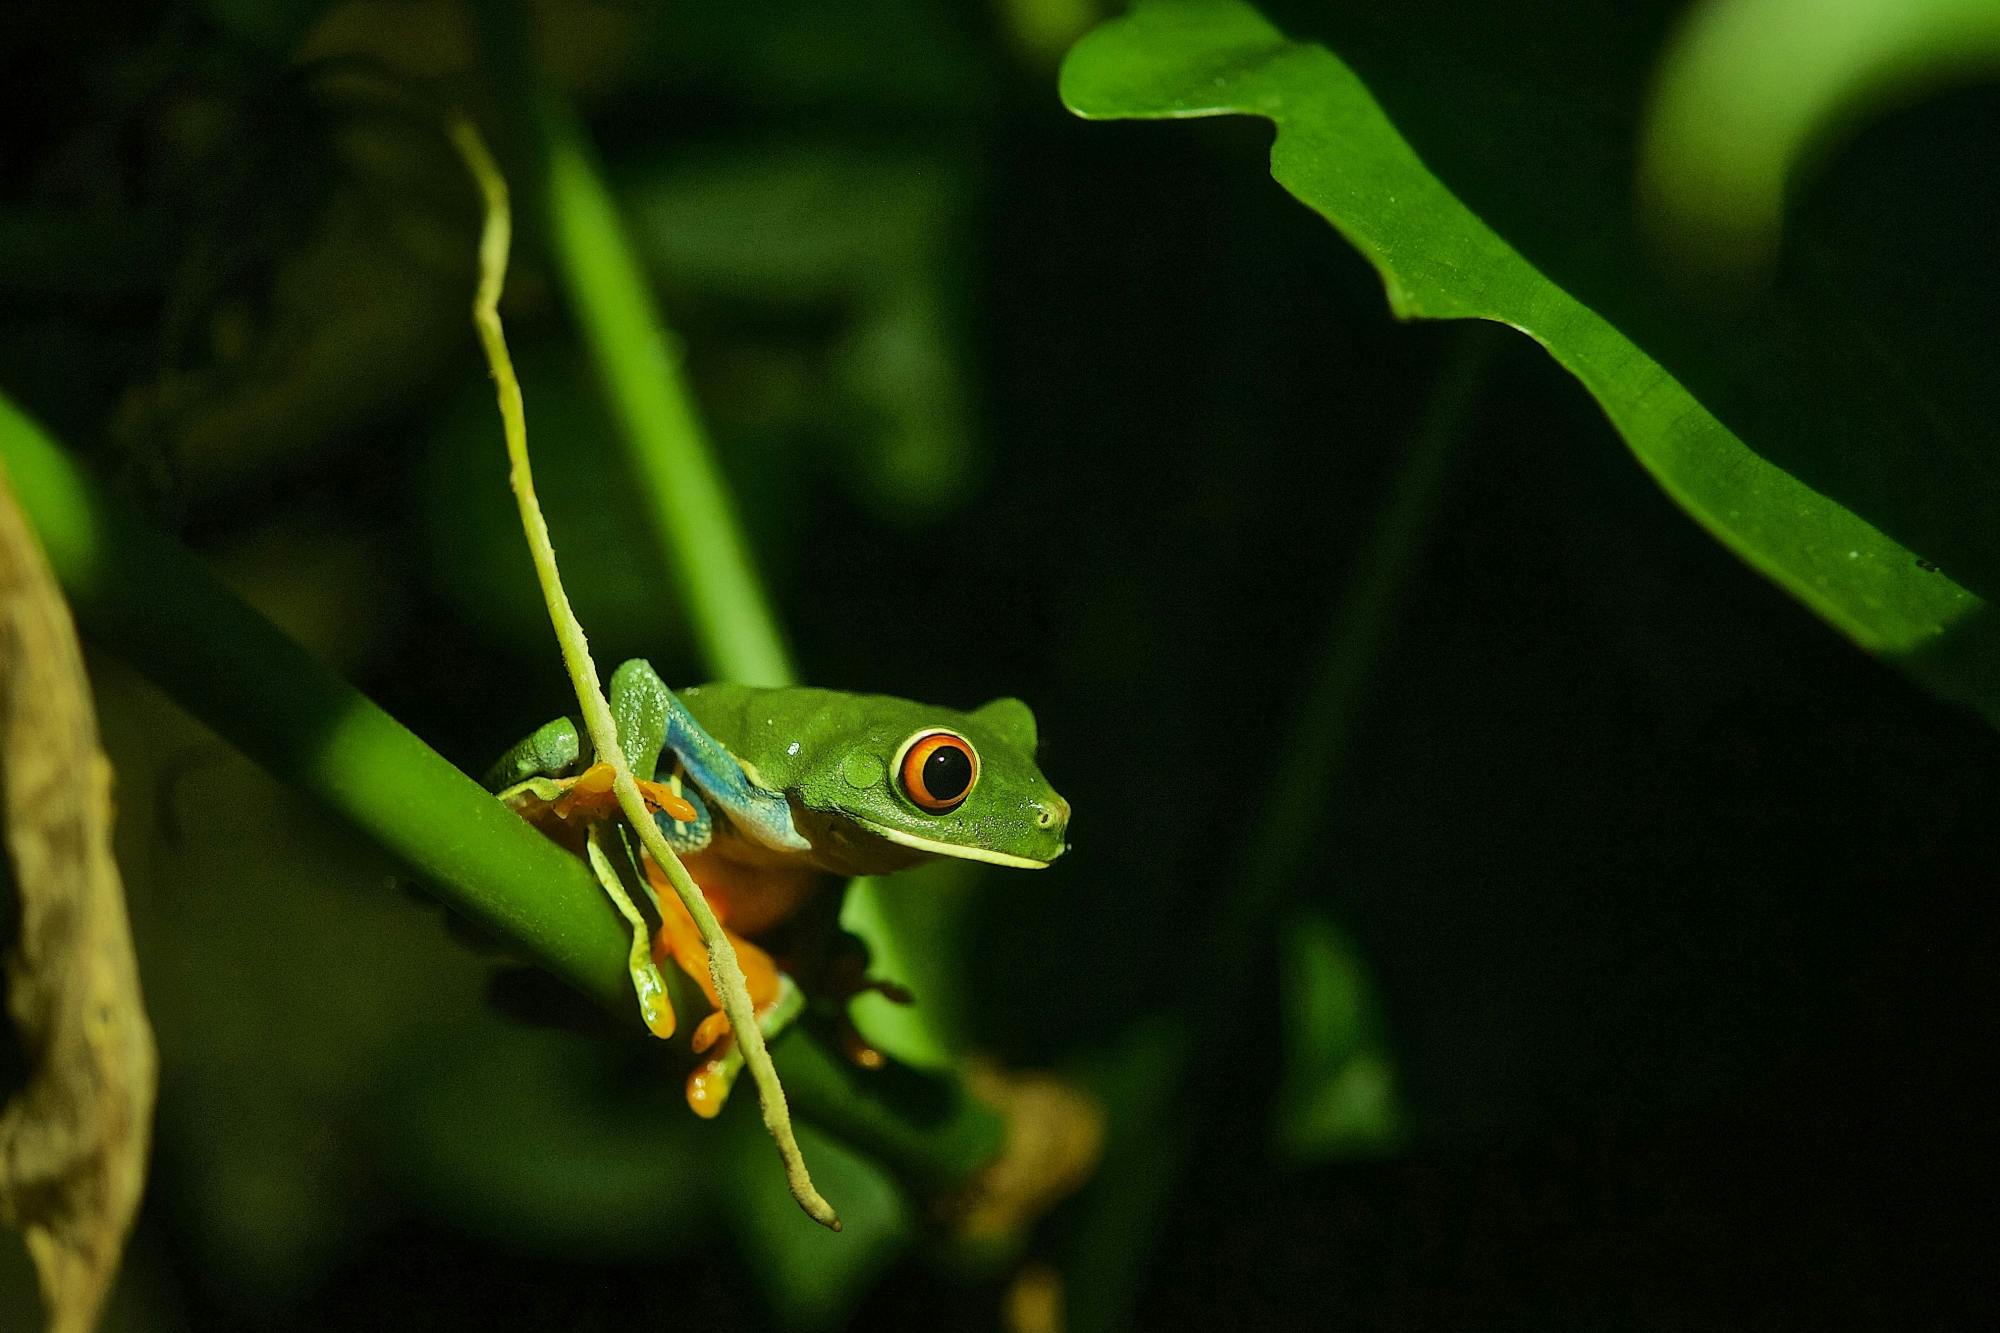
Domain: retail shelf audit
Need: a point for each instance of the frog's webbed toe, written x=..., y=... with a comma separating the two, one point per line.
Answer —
x=708, y=1086
x=686, y=825
x=773, y=996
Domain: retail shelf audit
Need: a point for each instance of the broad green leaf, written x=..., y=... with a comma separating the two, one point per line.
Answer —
x=810, y=1278
x=1820, y=424
x=927, y=904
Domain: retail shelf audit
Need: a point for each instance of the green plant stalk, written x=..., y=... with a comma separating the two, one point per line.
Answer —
x=666, y=449
x=495, y=239
x=1117, y=1221
x=670, y=463
x=143, y=596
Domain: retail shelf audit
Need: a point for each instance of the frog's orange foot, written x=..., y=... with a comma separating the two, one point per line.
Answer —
x=709, y=1031
x=590, y=797
x=660, y=796
x=856, y=1048
x=708, y=1086
x=708, y=1089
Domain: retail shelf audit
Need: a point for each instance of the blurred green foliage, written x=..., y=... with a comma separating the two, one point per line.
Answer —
x=1752, y=92
x=1634, y=950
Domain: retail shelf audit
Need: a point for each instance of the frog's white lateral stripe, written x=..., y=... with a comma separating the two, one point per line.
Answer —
x=931, y=845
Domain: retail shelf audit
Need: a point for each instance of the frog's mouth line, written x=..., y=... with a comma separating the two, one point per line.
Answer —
x=936, y=848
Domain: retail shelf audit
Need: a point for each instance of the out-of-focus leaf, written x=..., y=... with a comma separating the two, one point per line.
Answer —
x=1338, y=1097
x=802, y=53
x=74, y=1139
x=272, y=24
x=569, y=1149
x=321, y=279
x=322, y=582
x=926, y=904
x=1041, y=30
x=828, y=269
x=810, y=1277
x=288, y=975
x=1055, y=1136
x=1837, y=429
x=1751, y=89
x=428, y=42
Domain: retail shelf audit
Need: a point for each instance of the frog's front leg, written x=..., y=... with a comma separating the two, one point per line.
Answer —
x=538, y=779
x=651, y=720
x=654, y=1005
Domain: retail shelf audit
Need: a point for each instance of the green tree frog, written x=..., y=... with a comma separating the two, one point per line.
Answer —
x=768, y=795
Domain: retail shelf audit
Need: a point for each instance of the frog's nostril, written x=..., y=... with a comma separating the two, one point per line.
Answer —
x=1052, y=813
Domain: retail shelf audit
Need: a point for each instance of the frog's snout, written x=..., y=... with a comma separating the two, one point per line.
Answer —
x=1052, y=813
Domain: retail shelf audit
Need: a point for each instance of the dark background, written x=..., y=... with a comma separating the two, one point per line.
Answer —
x=1678, y=910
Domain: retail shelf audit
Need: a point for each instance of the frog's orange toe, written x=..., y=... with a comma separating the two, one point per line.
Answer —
x=663, y=797
x=659, y=1016
x=707, y=1090
x=709, y=1031
x=856, y=1048
x=588, y=796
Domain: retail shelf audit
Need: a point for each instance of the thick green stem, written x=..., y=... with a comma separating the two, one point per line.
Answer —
x=666, y=451
x=145, y=597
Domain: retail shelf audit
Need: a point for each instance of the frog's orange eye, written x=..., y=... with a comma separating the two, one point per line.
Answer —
x=938, y=770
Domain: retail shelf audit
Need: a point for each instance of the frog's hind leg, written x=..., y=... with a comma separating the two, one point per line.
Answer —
x=680, y=940
x=773, y=996
x=550, y=751
x=708, y=1086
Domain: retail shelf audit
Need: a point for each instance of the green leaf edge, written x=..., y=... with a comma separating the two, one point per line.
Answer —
x=1182, y=59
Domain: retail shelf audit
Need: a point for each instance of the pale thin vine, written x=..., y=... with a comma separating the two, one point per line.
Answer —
x=494, y=241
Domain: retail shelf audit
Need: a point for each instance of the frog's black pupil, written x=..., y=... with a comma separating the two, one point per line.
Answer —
x=947, y=773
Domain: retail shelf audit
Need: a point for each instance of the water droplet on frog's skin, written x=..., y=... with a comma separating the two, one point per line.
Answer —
x=793, y=748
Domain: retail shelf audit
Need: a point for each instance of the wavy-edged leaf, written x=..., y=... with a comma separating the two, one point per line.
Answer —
x=1338, y=151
